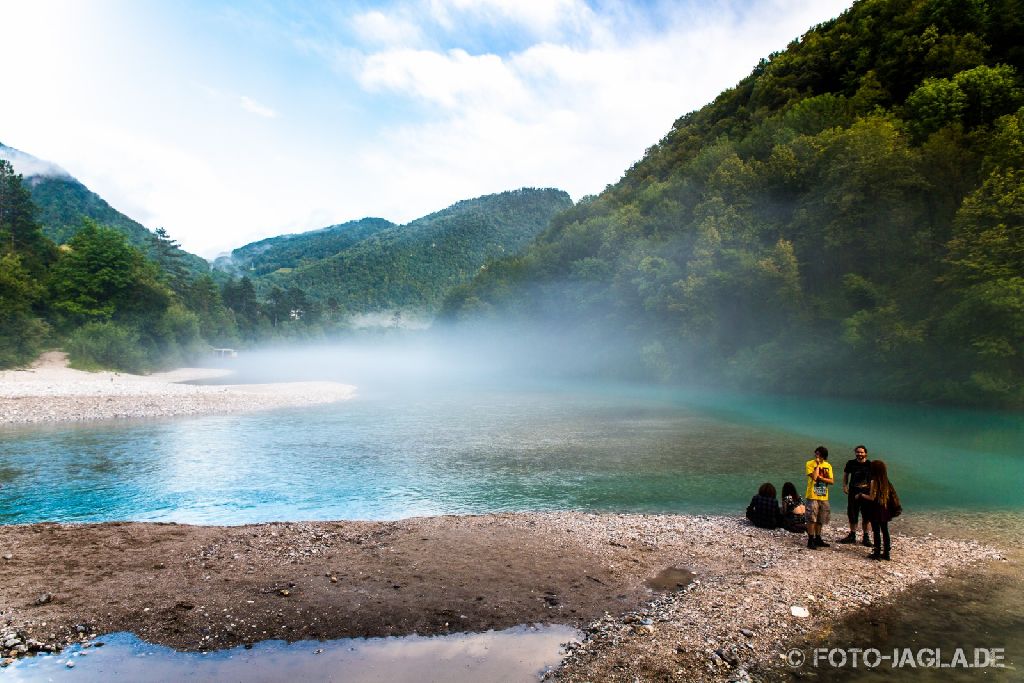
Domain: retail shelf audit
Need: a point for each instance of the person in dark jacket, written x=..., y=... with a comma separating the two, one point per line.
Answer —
x=856, y=478
x=763, y=510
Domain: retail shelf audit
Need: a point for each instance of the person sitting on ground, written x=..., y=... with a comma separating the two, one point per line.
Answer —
x=856, y=477
x=883, y=505
x=763, y=510
x=793, y=509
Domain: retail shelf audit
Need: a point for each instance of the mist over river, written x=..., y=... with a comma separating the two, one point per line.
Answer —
x=437, y=432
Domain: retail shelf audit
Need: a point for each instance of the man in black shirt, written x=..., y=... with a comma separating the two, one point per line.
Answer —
x=856, y=479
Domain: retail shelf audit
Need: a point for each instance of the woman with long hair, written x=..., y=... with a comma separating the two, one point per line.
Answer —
x=882, y=505
x=792, y=509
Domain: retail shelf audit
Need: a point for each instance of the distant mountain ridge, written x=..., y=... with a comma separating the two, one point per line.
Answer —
x=372, y=265
x=63, y=201
x=268, y=255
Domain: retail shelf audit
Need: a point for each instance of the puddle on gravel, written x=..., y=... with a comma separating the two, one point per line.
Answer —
x=521, y=653
x=671, y=579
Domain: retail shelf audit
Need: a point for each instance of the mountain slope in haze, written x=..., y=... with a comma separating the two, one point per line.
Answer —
x=378, y=266
x=847, y=220
x=266, y=256
x=63, y=201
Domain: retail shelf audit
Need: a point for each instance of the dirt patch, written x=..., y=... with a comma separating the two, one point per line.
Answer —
x=671, y=579
x=213, y=587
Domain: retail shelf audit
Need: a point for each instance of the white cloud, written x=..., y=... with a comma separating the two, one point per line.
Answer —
x=452, y=79
x=554, y=114
x=253, y=107
x=27, y=165
x=382, y=29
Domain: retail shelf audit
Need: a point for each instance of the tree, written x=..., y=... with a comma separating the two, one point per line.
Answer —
x=169, y=256
x=100, y=277
x=21, y=332
x=20, y=232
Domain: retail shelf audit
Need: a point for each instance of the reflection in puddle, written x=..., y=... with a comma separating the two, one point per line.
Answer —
x=515, y=654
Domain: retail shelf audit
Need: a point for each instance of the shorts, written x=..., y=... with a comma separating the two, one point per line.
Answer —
x=855, y=505
x=818, y=512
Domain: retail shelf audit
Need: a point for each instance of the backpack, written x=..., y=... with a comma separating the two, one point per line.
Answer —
x=894, y=507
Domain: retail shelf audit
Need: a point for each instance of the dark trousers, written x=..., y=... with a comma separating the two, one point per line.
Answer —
x=880, y=530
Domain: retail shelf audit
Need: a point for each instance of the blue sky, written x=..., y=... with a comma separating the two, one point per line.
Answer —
x=226, y=122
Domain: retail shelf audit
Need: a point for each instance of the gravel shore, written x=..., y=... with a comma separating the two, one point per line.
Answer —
x=199, y=588
x=49, y=391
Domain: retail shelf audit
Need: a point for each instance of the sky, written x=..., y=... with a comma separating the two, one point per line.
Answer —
x=226, y=122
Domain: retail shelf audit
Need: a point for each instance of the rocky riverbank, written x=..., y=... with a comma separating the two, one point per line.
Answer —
x=753, y=592
x=49, y=391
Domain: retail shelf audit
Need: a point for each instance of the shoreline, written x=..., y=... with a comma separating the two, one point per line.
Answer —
x=51, y=392
x=206, y=588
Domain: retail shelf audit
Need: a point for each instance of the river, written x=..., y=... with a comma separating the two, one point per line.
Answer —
x=414, y=442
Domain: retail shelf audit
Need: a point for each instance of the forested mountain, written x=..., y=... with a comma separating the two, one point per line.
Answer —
x=291, y=251
x=847, y=220
x=373, y=265
x=63, y=202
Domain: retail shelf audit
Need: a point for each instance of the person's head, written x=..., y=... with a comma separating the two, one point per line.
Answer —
x=766, y=490
x=880, y=481
x=861, y=453
x=788, y=489
x=879, y=470
x=821, y=453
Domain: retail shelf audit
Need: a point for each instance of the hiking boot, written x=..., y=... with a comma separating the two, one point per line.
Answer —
x=820, y=543
x=849, y=538
x=867, y=542
x=811, y=545
x=875, y=555
x=885, y=556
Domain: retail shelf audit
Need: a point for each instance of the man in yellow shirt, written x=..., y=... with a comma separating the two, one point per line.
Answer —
x=819, y=478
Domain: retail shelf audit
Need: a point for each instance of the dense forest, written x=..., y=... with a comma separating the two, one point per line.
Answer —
x=847, y=220
x=373, y=265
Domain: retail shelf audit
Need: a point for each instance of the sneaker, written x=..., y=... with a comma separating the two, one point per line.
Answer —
x=849, y=538
x=885, y=556
x=875, y=555
x=867, y=542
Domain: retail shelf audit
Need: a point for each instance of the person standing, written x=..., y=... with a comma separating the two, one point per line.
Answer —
x=819, y=478
x=883, y=505
x=856, y=479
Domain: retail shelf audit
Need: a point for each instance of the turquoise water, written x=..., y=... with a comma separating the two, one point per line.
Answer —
x=413, y=445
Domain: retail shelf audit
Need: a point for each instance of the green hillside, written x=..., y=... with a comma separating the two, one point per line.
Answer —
x=372, y=265
x=63, y=202
x=847, y=220
x=291, y=251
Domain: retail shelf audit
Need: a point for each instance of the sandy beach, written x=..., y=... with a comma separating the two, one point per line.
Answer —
x=49, y=391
